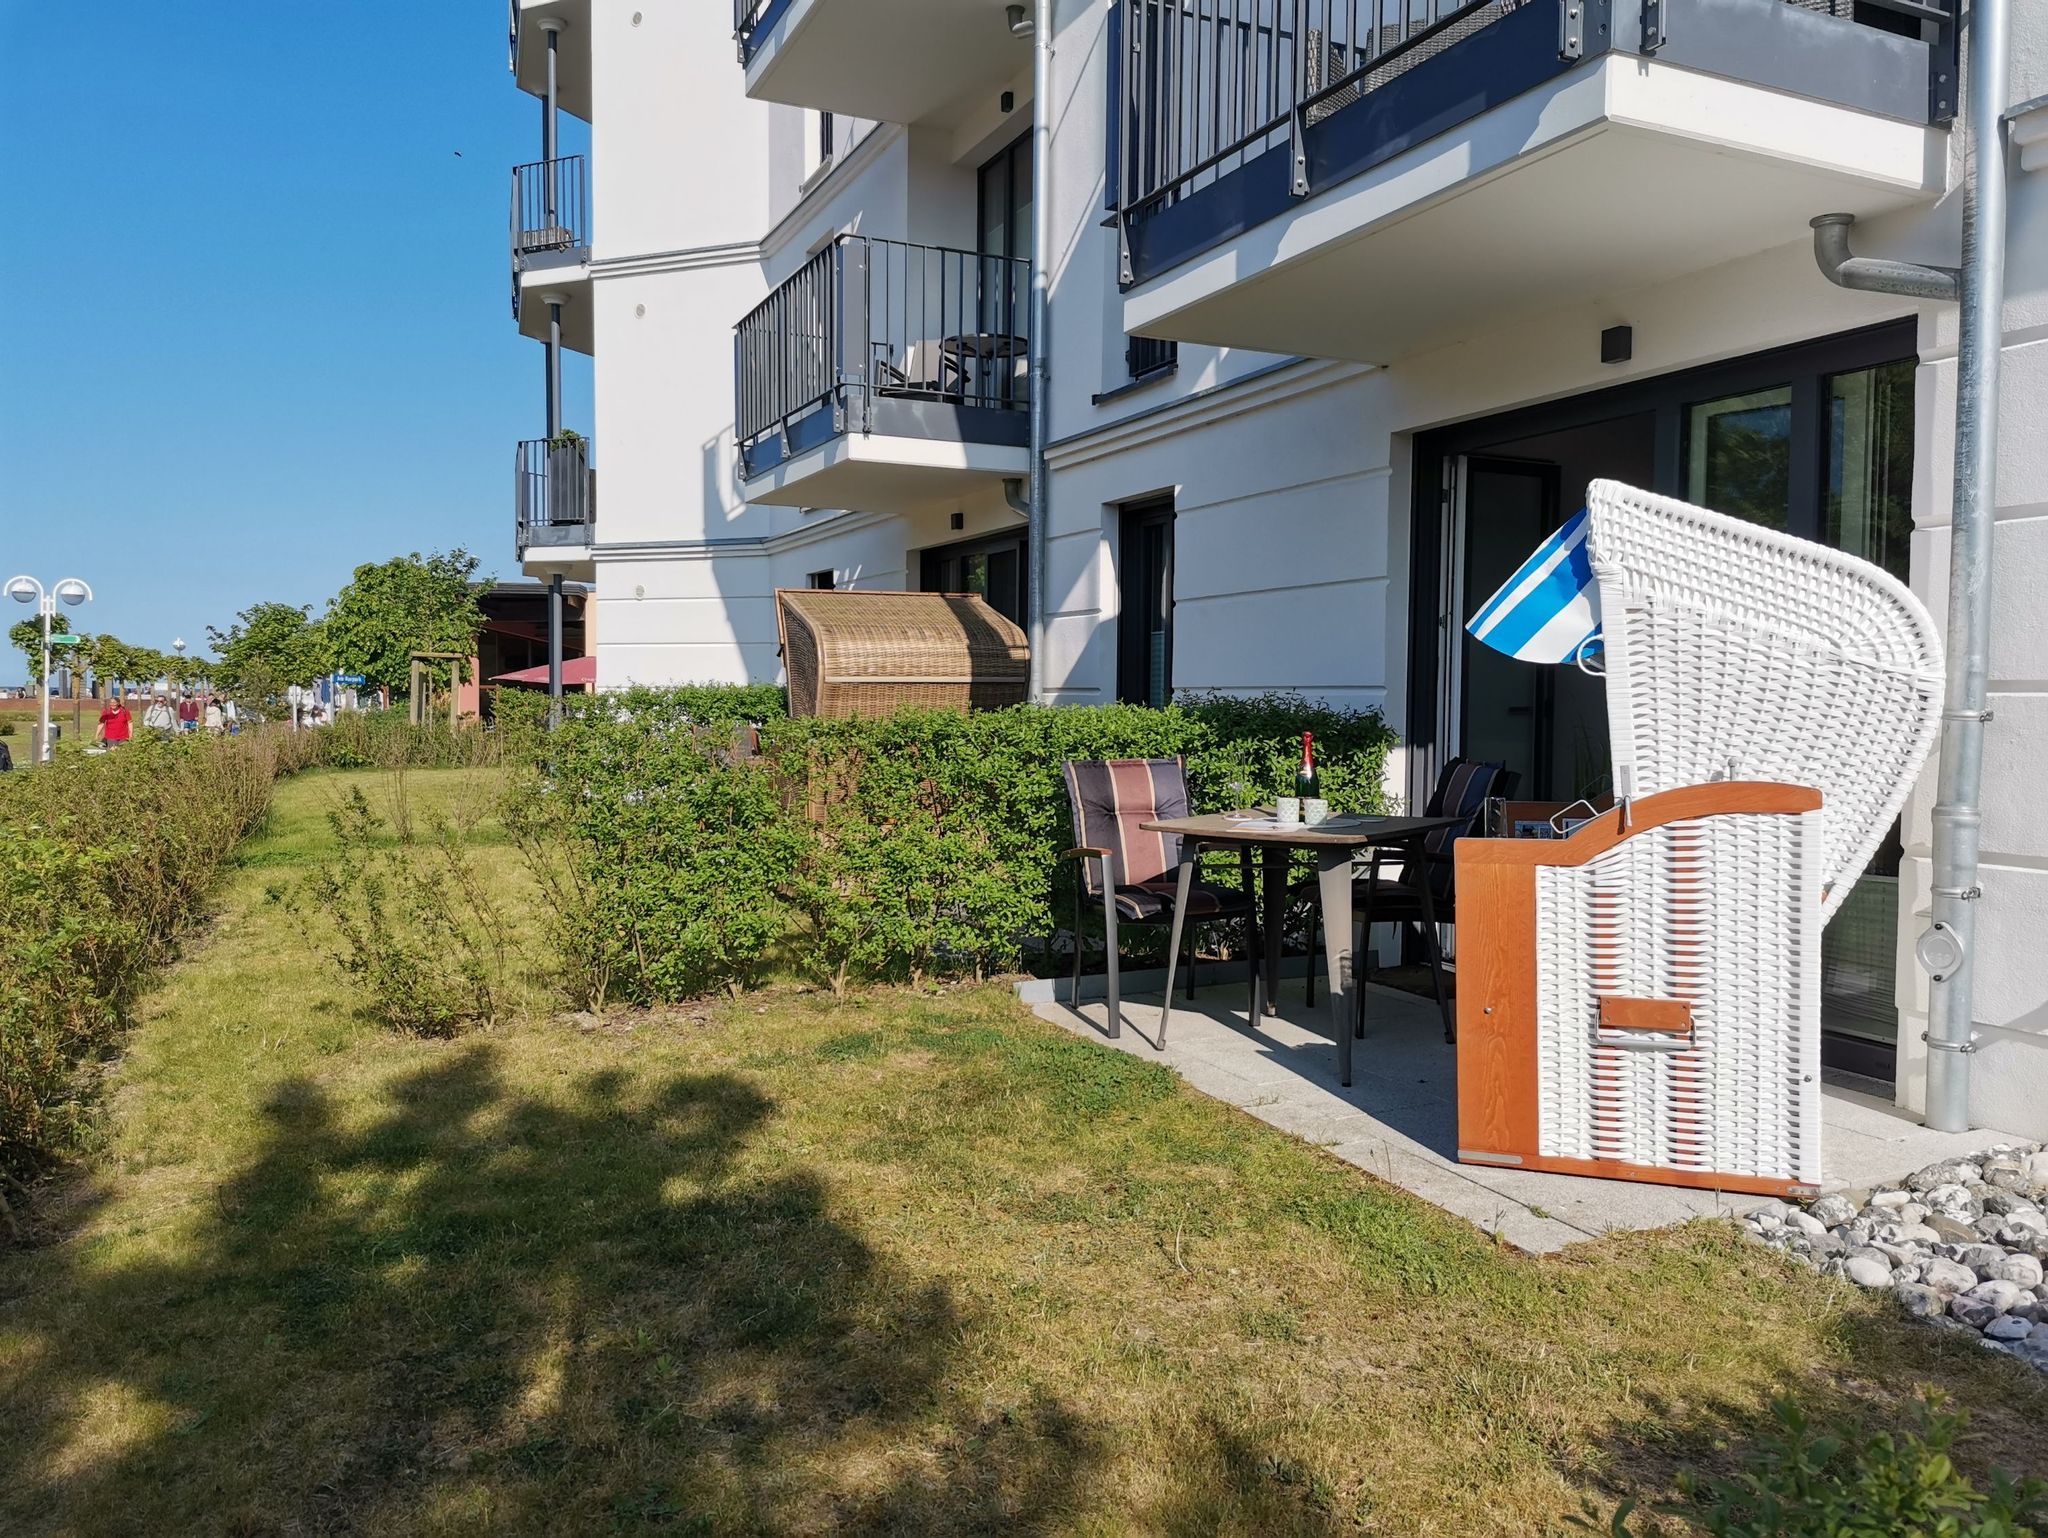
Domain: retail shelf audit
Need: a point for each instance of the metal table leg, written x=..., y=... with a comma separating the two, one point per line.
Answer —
x=1273, y=861
x=1333, y=879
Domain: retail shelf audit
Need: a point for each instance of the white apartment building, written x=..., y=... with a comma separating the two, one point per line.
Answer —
x=1349, y=299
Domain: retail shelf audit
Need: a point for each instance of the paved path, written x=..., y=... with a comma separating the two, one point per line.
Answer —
x=1399, y=1119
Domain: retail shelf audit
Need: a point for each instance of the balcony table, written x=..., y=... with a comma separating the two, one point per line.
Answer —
x=1334, y=843
x=984, y=349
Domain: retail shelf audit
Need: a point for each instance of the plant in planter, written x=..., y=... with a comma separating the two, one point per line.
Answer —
x=568, y=477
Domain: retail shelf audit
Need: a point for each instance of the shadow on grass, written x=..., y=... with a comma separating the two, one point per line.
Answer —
x=580, y=1313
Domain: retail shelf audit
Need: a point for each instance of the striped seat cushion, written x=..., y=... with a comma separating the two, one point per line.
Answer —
x=1154, y=899
x=1112, y=800
x=1461, y=791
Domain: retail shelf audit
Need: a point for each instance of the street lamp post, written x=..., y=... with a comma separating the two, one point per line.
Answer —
x=71, y=592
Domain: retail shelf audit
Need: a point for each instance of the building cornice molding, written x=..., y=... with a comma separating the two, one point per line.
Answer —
x=816, y=526
x=844, y=169
x=1269, y=386
x=740, y=253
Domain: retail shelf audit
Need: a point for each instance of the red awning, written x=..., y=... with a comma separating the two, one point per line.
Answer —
x=577, y=673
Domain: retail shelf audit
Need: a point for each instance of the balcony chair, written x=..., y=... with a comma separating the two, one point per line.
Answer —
x=922, y=373
x=1140, y=877
x=1423, y=890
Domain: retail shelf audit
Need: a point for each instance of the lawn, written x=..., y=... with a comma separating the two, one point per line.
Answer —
x=895, y=1263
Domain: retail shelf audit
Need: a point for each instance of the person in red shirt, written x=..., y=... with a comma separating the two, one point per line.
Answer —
x=115, y=722
x=188, y=714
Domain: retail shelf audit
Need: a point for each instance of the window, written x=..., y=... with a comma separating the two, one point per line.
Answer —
x=993, y=569
x=820, y=143
x=1144, y=662
x=1868, y=507
x=823, y=581
x=1146, y=356
x=1005, y=202
x=1738, y=455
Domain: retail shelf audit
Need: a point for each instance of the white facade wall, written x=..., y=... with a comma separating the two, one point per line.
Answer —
x=2009, y=1077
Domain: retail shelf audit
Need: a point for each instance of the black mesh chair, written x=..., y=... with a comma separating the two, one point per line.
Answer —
x=1422, y=891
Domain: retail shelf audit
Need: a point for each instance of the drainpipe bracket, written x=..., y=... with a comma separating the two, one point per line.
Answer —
x=1966, y=715
x=1959, y=893
x=1961, y=1048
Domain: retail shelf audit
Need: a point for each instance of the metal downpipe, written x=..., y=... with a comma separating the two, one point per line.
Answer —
x=1041, y=337
x=1948, y=949
x=1874, y=274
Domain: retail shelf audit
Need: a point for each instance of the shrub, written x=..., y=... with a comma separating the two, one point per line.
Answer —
x=412, y=917
x=924, y=844
x=103, y=860
x=386, y=739
x=661, y=851
x=1807, y=1482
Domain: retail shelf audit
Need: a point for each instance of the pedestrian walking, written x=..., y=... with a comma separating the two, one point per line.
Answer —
x=158, y=718
x=188, y=713
x=115, y=722
x=216, y=721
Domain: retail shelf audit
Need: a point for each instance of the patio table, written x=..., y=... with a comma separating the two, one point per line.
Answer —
x=1333, y=842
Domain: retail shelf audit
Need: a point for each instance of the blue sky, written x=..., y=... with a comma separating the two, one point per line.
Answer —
x=258, y=320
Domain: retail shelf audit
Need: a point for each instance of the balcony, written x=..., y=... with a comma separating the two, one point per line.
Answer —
x=529, y=45
x=895, y=61
x=1367, y=179
x=884, y=374
x=551, y=245
x=554, y=497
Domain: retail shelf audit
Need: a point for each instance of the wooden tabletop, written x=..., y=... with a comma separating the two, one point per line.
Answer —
x=1355, y=832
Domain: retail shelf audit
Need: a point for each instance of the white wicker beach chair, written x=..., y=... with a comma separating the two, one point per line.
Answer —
x=1642, y=999
x=1737, y=653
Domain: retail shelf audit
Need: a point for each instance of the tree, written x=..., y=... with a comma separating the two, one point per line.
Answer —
x=26, y=637
x=408, y=604
x=270, y=646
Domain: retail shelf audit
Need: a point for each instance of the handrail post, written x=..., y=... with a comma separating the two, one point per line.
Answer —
x=849, y=322
x=1297, y=148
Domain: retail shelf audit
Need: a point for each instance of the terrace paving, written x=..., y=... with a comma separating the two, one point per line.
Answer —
x=1399, y=1117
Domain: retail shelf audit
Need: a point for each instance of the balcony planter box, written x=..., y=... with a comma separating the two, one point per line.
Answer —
x=872, y=653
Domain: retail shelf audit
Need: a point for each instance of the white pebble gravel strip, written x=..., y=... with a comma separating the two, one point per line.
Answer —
x=1962, y=1244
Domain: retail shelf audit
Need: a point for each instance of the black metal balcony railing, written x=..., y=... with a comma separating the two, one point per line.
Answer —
x=550, y=206
x=1205, y=87
x=866, y=323
x=554, y=492
x=748, y=17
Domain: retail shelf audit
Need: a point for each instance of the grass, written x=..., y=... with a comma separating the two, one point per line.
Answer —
x=896, y=1263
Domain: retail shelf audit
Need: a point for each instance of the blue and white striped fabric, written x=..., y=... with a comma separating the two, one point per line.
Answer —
x=1549, y=610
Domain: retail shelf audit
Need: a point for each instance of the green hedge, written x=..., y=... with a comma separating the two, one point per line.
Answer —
x=103, y=860
x=918, y=846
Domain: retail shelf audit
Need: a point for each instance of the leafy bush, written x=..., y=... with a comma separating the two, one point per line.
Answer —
x=662, y=853
x=925, y=844
x=1812, y=1483
x=103, y=860
x=412, y=916
x=387, y=739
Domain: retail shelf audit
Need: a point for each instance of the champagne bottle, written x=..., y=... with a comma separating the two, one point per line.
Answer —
x=1306, y=783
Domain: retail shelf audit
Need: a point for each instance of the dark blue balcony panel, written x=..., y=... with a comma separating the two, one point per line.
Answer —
x=1232, y=113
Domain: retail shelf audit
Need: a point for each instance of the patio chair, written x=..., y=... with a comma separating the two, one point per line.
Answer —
x=1145, y=878
x=1421, y=891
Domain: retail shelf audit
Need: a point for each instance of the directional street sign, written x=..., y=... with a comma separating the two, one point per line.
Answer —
x=65, y=640
x=349, y=680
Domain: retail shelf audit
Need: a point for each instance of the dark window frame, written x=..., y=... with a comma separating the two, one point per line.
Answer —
x=933, y=558
x=1133, y=675
x=1807, y=366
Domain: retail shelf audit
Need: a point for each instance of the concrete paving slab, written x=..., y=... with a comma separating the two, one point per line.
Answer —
x=1399, y=1117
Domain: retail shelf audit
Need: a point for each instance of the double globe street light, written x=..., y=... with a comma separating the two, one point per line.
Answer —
x=71, y=592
